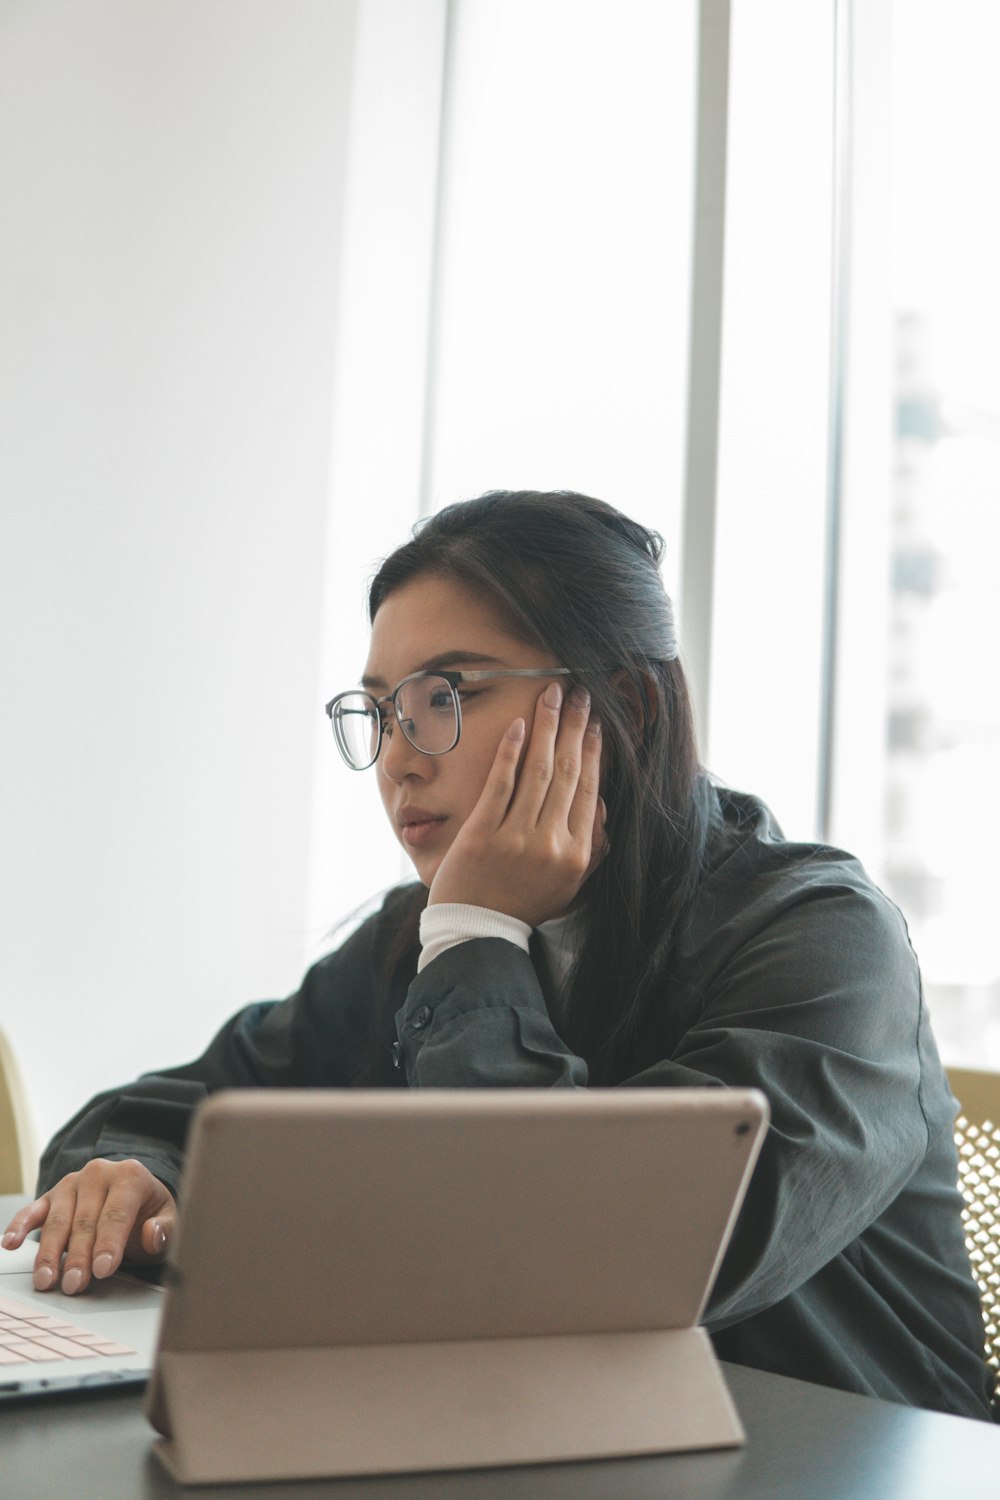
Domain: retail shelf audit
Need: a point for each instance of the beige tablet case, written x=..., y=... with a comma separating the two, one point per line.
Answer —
x=370, y=1282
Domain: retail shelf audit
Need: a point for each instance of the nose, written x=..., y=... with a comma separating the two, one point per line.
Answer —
x=398, y=758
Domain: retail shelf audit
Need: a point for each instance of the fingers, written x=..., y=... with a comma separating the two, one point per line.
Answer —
x=560, y=777
x=154, y=1236
x=539, y=762
x=55, y=1233
x=528, y=844
x=95, y=1218
x=556, y=771
x=494, y=801
x=102, y=1224
x=24, y=1221
x=587, y=813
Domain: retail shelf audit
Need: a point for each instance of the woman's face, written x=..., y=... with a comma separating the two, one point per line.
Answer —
x=433, y=622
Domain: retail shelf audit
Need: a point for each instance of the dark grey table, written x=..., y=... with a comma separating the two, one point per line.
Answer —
x=803, y=1443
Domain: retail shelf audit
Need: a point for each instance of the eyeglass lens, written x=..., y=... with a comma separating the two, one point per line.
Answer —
x=425, y=709
x=355, y=728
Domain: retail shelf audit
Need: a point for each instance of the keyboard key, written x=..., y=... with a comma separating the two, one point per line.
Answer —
x=11, y=1309
x=28, y=1335
x=32, y=1352
x=64, y=1347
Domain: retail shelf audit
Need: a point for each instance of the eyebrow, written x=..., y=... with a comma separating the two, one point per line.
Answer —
x=442, y=661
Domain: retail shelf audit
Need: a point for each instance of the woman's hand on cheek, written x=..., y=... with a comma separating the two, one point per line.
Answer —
x=533, y=838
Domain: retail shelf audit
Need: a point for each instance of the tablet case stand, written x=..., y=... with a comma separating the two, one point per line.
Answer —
x=311, y=1413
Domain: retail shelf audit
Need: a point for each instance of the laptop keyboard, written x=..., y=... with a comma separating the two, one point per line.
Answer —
x=28, y=1336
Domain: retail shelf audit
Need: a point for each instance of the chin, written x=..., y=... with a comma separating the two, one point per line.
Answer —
x=424, y=869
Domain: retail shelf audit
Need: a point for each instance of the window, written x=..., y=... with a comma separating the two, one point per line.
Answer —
x=943, y=693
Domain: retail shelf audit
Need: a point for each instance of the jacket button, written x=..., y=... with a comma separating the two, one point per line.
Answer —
x=421, y=1017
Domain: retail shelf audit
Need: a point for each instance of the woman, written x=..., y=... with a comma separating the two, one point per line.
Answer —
x=592, y=910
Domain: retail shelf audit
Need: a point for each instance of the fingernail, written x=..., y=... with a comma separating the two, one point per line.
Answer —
x=8, y=1239
x=71, y=1281
x=159, y=1238
x=594, y=726
x=43, y=1278
x=103, y=1264
x=553, y=694
x=580, y=697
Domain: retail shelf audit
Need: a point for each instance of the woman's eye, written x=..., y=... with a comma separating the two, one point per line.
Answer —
x=440, y=700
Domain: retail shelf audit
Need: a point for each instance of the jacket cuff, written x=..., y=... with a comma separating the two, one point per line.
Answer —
x=480, y=1014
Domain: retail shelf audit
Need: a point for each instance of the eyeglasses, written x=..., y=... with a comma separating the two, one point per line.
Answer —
x=426, y=706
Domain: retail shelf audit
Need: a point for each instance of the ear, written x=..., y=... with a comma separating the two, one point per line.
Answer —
x=639, y=698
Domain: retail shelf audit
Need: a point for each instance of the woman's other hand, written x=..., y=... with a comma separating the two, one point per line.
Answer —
x=108, y=1212
x=537, y=832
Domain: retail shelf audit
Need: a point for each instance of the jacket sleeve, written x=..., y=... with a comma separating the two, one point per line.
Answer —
x=818, y=1005
x=313, y=1039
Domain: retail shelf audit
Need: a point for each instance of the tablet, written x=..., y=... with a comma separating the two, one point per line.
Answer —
x=378, y=1281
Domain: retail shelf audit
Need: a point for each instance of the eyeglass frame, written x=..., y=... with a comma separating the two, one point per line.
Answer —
x=452, y=679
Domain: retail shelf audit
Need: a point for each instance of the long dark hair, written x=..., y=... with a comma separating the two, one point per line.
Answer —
x=573, y=575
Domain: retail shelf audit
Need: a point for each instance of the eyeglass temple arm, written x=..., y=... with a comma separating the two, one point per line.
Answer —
x=456, y=677
x=511, y=672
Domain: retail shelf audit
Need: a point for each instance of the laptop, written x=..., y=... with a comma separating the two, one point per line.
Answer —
x=370, y=1282
x=53, y=1343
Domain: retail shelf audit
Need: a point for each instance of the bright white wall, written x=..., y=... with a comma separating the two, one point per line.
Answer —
x=172, y=186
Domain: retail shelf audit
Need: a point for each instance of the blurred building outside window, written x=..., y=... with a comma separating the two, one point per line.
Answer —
x=943, y=691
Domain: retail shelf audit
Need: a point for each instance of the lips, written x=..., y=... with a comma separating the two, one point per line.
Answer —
x=419, y=826
x=407, y=815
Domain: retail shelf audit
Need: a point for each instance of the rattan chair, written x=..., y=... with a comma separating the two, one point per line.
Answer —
x=18, y=1156
x=977, y=1136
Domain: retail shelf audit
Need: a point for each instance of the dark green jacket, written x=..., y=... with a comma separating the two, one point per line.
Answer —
x=792, y=974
